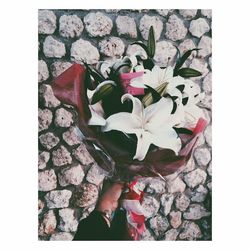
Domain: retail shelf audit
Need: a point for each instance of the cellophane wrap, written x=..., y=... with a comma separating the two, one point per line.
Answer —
x=111, y=151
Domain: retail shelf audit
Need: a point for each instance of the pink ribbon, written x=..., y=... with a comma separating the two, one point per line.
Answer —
x=125, y=81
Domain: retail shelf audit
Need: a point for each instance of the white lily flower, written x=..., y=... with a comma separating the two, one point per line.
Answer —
x=184, y=114
x=152, y=125
x=192, y=112
x=97, y=112
x=106, y=66
x=158, y=76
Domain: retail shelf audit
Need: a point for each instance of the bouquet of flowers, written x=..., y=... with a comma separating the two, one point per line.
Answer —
x=138, y=119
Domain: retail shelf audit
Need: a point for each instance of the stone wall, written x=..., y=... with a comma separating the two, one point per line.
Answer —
x=69, y=180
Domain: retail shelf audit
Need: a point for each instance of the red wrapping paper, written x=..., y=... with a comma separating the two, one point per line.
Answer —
x=114, y=156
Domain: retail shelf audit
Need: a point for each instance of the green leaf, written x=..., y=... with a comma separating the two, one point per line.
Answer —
x=184, y=100
x=183, y=131
x=151, y=42
x=155, y=95
x=96, y=74
x=188, y=72
x=120, y=66
x=149, y=99
x=148, y=63
x=103, y=89
x=142, y=45
x=88, y=81
x=180, y=87
x=98, y=77
x=182, y=59
x=178, y=52
x=174, y=108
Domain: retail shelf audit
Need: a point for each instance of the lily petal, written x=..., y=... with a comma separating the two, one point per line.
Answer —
x=139, y=68
x=144, y=139
x=137, y=105
x=122, y=121
x=192, y=114
x=192, y=89
x=169, y=72
x=167, y=138
x=158, y=114
x=138, y=82
x=96, y=119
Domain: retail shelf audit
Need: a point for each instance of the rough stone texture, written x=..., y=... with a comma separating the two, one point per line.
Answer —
x=43, y=159
x=48, y=224
x=44, y=119
x=188, y=13
x=200, y=65
x=182, y=202
x=46, y=22
x=146, y=235
x=209, y=185
x=171, y=234
x=163, y=12
x=132, y=49
x=175, y=219
x=206, y=102
x=205, y=45
x=96, y=175
x=71, y=136
x=164, y=53
x=86, y=195
x=176, y=185
x=199, y=27
x=43, y=72
x=53, y=47
x=58, y=198
x=209, y=169
x=151, y=206
x=195, y=178
x=70, y=26
x=71, y=175
x=191, y=231
x=47, y=96
x=195, y=212
x=62, y=236
x=189, y=166
x=68, y=222
x=208, y=135
x=58, y=67
x=199, y=194
x=98, y=24
x=166, y=202
x=175, y=28
x=87, y=211
x=207, y=83
x=200, y=141
x=61, y=156
x=112, y=47
x=87, y=47
x=210, y=62
x=146, y=22
x=126, y=26
x=81, y=154
x=207, y=13
x=187, y=44
x=40, y=206
x=202, y=156
x=159, y=224
x=83, y=50
x=156, y=185
x=48, y=140
x=63, y=118
x=47, y=180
